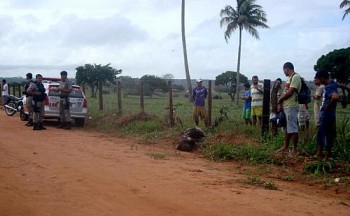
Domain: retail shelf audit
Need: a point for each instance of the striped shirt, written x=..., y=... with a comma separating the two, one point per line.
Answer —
x=257, y=96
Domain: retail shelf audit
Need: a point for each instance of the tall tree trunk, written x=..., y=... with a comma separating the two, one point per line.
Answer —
x=188, y=77
x=238, y=65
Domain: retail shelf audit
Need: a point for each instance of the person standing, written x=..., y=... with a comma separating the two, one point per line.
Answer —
x=64, y=89
x=289, y=104
x=247, y=97
x=257, y=91
x=199, y=94
x=4, y=92
x=37, y=89
x=317, y=100
x=327, y=128
x=29, y=99
x=276, y=92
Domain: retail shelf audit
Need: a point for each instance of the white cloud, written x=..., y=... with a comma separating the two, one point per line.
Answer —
x=144, y=37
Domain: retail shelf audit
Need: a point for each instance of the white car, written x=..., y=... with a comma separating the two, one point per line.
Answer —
x=78, y=103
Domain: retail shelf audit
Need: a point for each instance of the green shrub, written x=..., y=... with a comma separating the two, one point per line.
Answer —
x=320, y=167
x=255, y=154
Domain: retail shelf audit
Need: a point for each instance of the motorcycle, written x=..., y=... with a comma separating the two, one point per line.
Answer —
x=15, y=104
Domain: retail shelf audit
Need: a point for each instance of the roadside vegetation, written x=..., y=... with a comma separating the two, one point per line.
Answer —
x=229, y=139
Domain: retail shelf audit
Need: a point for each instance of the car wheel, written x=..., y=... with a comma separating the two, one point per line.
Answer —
x=79, y=122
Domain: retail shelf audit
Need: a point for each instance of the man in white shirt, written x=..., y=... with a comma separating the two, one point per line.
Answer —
x=4, y=92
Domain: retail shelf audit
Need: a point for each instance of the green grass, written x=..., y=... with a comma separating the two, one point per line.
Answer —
x=156, y=128
x=251, y=153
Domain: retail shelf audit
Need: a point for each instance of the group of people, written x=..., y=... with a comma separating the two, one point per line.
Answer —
x=35, y=97
x=284, y=99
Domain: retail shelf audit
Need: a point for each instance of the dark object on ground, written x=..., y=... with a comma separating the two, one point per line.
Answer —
x=279, y=120
x=188, y=139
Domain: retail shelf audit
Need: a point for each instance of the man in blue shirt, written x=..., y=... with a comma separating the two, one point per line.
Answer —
x=327, y=129
x=199, y=95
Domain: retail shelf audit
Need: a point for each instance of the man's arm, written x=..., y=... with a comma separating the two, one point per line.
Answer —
x=68, y=89
x=31, y=90
x=334, y=99
x=287, y=95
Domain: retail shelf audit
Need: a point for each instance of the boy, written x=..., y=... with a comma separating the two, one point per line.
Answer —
x=247, y=97
x=327, y=129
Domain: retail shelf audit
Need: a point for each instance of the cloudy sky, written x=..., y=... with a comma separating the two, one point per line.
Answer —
x=144, y=37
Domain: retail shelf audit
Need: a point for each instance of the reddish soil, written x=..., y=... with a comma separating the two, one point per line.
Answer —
x=84, y=173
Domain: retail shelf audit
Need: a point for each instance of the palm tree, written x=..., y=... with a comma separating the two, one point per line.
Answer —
x=248, y=16
x=188, y=78
x=345, y=3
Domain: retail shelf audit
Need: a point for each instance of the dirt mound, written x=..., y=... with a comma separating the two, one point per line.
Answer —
x=230, y=138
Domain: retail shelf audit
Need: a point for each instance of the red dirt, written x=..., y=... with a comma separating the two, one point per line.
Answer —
x=58, y=172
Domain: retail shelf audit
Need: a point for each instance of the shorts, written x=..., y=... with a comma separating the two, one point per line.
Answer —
x=292, y=120
x=246, y=113
x=199, y=111
x=257, y=112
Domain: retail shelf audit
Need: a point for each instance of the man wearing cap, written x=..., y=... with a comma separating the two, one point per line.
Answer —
x=199, y=94
x=327, y=129
x=64, y=89
x=29, y=99
x=37, y=89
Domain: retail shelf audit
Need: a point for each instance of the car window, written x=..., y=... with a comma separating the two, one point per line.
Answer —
x=76, y=92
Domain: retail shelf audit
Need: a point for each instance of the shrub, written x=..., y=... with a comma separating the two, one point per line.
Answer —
x=250, y=153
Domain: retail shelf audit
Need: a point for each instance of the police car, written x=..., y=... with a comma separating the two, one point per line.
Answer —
x=78, y=103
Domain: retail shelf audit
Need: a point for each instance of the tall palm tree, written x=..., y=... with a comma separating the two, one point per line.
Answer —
x=248, y=16
x=188, y=77
x=345, y=3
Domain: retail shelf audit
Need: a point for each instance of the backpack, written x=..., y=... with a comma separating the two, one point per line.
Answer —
x=304, y=95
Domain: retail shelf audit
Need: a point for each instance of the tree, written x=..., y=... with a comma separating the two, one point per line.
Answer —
x=248, y=16
x=337, y=63
x=92, y=75
x=168, y=76
x=188, y=77
x=229, y=80
x=152, y=83
x=344, y=4
x=130, y=85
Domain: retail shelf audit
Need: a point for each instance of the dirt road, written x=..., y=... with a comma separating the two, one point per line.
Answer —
x=83, y=173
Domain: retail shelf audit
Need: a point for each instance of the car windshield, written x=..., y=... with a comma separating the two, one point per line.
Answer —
x=76, y=93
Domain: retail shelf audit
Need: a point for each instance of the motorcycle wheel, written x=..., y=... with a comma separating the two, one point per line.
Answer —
x=9, y=111
x=23, y=116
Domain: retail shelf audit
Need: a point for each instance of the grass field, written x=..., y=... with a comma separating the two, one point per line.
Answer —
x=155, y=126
x=230, y=140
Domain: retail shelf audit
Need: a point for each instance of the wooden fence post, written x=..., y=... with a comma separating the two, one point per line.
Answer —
x=119, y=93
x=142, y=97
x=266, y=108
x=100, y=96
x=210, y=103
x=13, y=89
x=19, y=90
x=171, y=105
